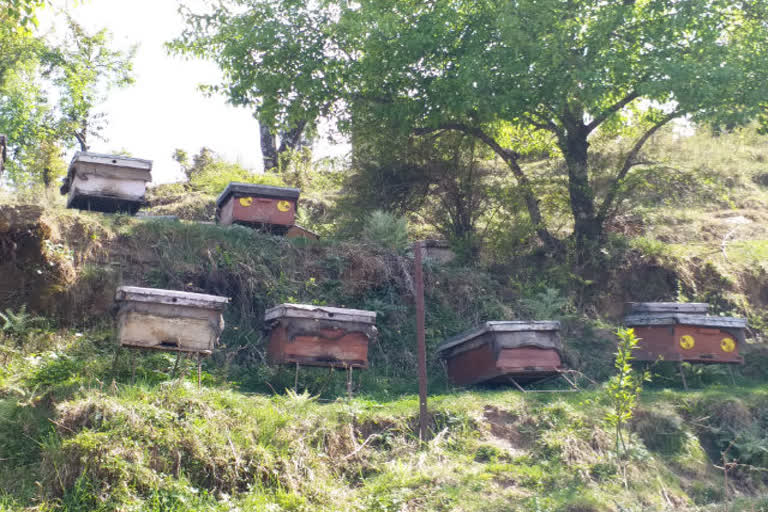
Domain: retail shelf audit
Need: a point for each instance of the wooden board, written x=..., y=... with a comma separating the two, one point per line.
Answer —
x=336, y=348
x=312, y=312
x=296, y=231
x=258, y=211
x=689, y=343
x=171, y=297
x=483, y=364
x=692, y=308
x=147, y=331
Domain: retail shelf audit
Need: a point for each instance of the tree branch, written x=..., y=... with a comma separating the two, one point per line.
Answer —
x=626, y=100
x=548, y=125
x=629, y=163
x=510, y=158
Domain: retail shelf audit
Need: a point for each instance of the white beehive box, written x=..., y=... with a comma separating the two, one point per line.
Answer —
x=106, y=183
x=151, y=318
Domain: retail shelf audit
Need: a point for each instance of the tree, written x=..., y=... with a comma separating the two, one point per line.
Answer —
x=226, y=37
x=31, y=124
x=566, y=67
x=446, y=178
x=21, y=13
x=85, y=68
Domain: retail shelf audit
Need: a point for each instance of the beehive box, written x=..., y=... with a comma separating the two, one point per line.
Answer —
x=498, y=352
x=257, y=205
x=151, y=318
x=106, y=183
x=297, y=231
x=437, y=250
x=684, y=332
x=319, y=335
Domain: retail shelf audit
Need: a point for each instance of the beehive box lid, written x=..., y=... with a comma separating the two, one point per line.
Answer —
x=312, y=312
x=691, y=308
x=498, y=327
x=253, y=190
x=118, y=161
x=640, y=320
x=172, y=297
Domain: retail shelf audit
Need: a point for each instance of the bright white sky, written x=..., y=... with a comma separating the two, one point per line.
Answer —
x=164, y=109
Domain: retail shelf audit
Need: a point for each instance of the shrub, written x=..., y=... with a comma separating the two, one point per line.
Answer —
x=387, y=230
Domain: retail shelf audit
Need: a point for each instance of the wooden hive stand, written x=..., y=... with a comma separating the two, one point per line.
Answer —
x=684, y=332
x=337, y=338
x=169, y=320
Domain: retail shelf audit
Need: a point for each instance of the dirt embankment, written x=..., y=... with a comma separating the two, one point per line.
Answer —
x=34, y=269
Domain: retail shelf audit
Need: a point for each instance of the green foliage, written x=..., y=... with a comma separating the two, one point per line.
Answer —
x=577, y=70
x=624, y=388
x=210, y=174
x=84, y=68
x=386, y=230
x=19, y=322
x=547, y=304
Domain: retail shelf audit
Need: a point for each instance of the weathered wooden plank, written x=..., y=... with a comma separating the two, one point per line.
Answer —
x=101, y=159
x=172, y=297
x=680, y=318
x=319, y=313
x=253, y=190
x=666, y=307
x=503, y=326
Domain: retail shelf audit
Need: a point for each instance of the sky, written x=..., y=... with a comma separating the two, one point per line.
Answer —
x=164, y=109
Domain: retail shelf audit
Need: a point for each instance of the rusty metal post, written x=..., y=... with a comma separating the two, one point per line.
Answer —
x=418, y=277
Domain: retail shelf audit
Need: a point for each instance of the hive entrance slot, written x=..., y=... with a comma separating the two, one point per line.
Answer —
x=170, y=343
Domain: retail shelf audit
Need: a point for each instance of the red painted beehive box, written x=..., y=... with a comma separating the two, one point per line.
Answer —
x=673, y=331
x=500, y=352
x=257, y=205
x=319, y=335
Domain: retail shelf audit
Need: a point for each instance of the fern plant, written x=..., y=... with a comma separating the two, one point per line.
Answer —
x=18, y=322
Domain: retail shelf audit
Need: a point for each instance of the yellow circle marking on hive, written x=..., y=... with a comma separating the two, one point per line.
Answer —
x=284, y=206
x=728, y=345
x=687, y=342
x=246, y=201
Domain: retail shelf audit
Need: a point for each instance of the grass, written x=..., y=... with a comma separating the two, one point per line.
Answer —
x=77, y=434
x=74, y=435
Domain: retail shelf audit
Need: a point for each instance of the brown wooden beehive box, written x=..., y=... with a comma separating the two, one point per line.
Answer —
x=674, y=331
x=151, y=318
x=437, y=250
x=498, y=352
x=257, y=205
x=319, y=335
x=106, y=183
x=297, y=231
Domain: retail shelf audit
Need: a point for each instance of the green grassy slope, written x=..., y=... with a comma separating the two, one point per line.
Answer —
x=77, y=435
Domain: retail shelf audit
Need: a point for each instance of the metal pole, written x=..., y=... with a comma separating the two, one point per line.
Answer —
x=418, y=277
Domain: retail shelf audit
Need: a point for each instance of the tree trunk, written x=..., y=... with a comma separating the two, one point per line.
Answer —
x=268, y=147
x=587, y=226
x=289, y=140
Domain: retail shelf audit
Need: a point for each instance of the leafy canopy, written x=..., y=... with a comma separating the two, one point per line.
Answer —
x=565, y=67
x=426, y=63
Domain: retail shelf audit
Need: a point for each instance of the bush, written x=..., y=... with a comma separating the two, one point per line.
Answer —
x=387, y=230
x=214, y=178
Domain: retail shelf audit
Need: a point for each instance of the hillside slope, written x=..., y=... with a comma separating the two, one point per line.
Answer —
x=77, y=433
